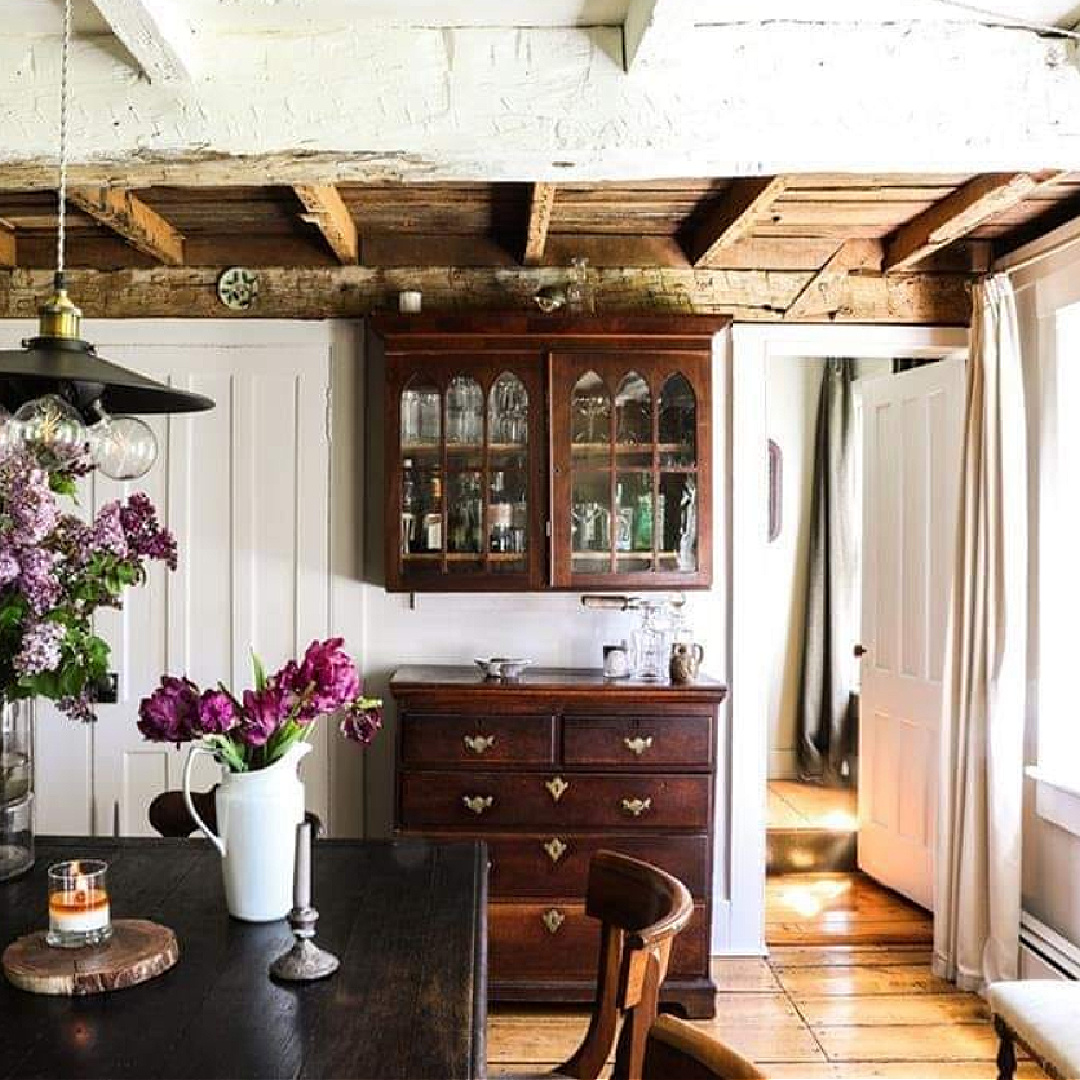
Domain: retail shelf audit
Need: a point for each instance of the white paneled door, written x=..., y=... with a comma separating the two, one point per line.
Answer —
x=911, y=465
x=245, y=488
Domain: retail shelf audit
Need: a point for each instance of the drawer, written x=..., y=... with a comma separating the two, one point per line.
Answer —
x=557, y=864
x=464, y=739
x=638, y=741
x=482, y=801
x=522, y=946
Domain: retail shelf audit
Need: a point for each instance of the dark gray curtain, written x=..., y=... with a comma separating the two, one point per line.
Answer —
x=826, y=733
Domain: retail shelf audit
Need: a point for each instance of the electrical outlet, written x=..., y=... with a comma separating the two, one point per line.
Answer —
x=106, y=691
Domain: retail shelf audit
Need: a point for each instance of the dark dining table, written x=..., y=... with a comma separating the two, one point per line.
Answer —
x=406, y=918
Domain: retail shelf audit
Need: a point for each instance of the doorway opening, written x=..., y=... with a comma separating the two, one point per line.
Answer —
x=816, y=893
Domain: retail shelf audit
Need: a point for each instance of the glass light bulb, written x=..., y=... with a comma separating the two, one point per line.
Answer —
x=8, y=438
x=49, y=429
x=123, y=447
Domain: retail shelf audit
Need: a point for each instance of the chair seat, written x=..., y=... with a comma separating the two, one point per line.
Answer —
x=1044, y=1014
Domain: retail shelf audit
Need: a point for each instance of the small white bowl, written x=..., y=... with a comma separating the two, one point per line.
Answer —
x=502, y=667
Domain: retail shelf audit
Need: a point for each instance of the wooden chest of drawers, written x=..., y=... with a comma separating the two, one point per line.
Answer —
x=548, y=771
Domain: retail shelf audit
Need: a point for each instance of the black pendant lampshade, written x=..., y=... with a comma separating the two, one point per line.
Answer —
x=59, y=362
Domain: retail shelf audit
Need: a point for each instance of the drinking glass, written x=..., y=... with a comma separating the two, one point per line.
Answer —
x=78, y=904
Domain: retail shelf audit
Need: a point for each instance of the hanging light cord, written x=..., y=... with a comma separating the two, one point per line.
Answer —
x=61, y=200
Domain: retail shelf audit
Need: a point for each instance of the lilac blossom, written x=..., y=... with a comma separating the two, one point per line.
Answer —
x=9, y=566
x=107, y=532
x=79, y=707
x=29, y=504
x=145, y=536
x=38, y=580
x=41, y=648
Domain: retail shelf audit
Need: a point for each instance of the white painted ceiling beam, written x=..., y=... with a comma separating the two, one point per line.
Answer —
x=551, y=105
x=155, y=34
x=653, y=29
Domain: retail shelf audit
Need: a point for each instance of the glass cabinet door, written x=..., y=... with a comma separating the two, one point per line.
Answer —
x=627, y=477
x=466, y=478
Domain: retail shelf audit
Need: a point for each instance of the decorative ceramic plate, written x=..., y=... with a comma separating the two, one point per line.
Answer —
x=238, y=288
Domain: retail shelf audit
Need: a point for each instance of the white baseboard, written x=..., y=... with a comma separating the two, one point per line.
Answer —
x=783, y=765
x=1044, y=953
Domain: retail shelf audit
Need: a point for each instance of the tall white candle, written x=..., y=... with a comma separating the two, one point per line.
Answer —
x=302, y=877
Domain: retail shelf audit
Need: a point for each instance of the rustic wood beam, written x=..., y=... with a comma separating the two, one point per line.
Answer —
x=354, y=291
x=731, y=217
x=823, y=293
x=128, y=216
x=158, y=40
x=965, y=209
x=327, y=211
x=541, y=202
x=7, y=246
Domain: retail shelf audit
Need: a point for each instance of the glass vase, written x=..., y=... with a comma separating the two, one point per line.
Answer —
x=16, y=787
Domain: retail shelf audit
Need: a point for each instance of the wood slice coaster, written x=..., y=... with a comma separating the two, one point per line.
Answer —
x=138, y=950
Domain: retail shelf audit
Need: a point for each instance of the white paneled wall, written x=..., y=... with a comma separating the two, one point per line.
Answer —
x=246, y=489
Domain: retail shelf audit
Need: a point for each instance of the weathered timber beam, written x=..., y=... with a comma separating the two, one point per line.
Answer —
x=158, y=40
x=7, y=246
x=965, y=209
x=327, y=211
x=541, y=203
x=128, y=216
x=354, y=291
x=731, y=217
x=823, y=293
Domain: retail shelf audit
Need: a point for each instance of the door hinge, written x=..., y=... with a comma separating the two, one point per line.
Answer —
x=547, y=528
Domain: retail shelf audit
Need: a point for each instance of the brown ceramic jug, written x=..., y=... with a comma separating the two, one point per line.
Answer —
x=686, y=660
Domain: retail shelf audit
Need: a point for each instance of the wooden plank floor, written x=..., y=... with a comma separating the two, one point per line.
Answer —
x=847, y=991
x=807, y=1011
x=792, y=805
x=840, y=909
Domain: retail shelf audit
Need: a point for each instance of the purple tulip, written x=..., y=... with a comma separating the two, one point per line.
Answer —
x=218, y=712
x=328, y=676
x=171, y=713
x=361, y=723
x=263, y=712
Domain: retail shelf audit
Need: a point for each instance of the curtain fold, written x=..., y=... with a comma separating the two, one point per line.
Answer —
x=977, y=871
x=826, y=735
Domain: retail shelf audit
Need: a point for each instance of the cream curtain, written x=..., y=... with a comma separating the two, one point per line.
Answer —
x=977, y=894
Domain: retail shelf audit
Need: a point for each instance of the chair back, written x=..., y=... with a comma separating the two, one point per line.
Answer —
x=168, y=813
x=641, y=909
x=676, y=1050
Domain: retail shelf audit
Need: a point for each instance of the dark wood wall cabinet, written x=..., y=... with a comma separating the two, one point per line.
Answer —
x=527, y=452
x=548, y=771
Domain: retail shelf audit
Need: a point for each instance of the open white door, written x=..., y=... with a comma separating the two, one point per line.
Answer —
x=912, y=427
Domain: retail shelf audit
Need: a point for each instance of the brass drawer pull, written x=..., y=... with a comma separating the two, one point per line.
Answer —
x=553, y=919
x=479, y=744
x=555, y=849
x=478, y=803
x=637, y=807
x=639, y=744
x=557, y=788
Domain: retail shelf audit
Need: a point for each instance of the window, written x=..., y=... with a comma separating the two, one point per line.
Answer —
x=1054, y=435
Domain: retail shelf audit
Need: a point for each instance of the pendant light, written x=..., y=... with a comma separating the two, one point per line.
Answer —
x=65, y=400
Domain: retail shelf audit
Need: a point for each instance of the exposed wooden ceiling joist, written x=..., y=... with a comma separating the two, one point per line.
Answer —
x=328, y=212
x=731, y=217
x=7, y=246
x=821, y=295
x=541, y=203
x=960, y=212
x=128, y=216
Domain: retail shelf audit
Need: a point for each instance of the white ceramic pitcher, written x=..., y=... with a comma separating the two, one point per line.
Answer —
x=257, y=815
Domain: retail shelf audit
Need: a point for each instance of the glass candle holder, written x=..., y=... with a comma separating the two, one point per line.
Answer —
x=78, y=904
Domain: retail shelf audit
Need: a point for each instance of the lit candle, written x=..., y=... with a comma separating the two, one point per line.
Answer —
x=302, y=877
x=78, y=904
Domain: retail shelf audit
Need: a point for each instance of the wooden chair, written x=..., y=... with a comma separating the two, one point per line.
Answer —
x=641, y=909
x=169, y=816
x=676, y=1050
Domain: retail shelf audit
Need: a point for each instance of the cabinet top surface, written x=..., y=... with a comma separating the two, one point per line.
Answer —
x=552, y=680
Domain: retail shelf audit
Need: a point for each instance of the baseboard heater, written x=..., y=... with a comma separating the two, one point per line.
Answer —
x=1044, y=953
